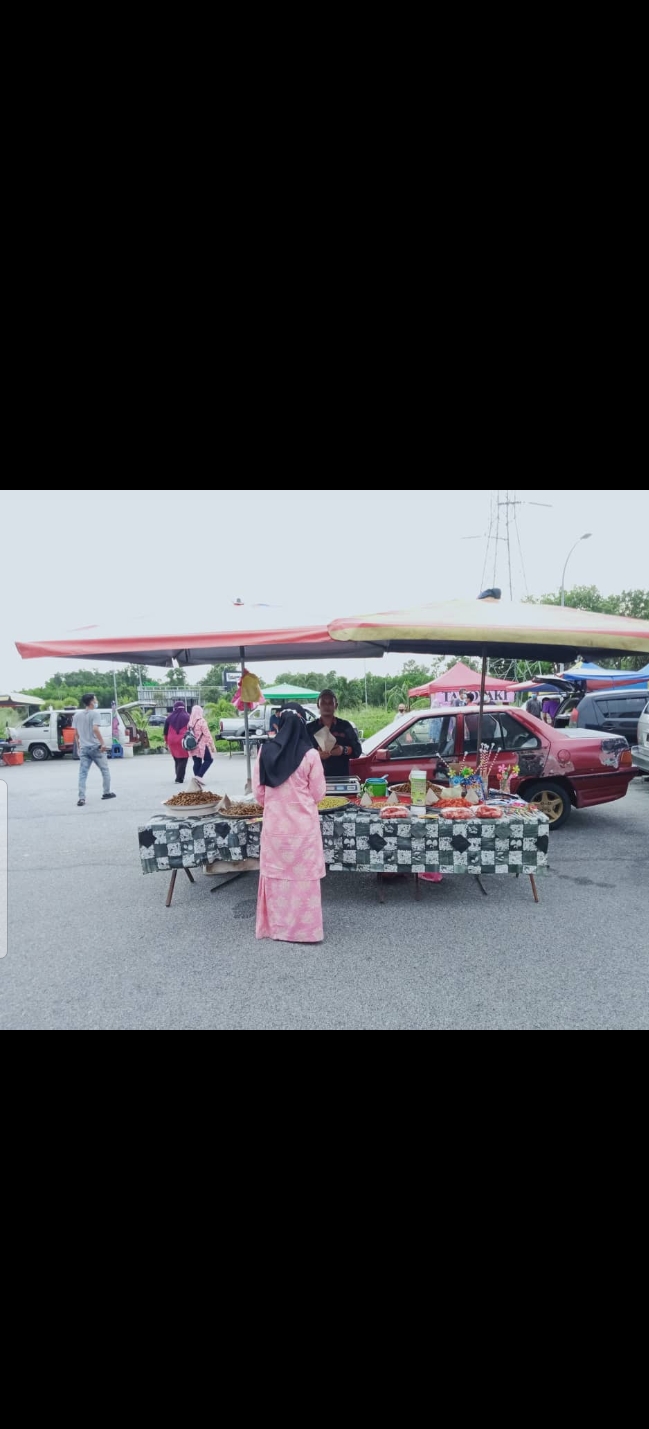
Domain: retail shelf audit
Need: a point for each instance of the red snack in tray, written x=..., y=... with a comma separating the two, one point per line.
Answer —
x=395, y=811
x=487, y=811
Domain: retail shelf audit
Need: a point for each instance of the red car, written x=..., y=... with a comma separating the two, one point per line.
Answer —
x=559, y=768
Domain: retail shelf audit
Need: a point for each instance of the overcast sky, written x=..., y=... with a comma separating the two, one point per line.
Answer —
x=160, y=563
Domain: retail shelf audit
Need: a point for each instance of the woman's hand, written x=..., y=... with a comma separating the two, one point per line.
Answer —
x=337, y=749
x=324, y=753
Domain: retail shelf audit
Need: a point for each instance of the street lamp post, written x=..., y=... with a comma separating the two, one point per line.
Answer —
x=586, y=537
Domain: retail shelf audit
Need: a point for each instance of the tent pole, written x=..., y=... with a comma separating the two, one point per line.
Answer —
x=248, y=788
x=482, y=690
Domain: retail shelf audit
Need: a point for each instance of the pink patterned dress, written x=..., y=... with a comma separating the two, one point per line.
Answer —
x=289, y=903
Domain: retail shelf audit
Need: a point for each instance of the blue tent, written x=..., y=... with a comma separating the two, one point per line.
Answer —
x=588, y=671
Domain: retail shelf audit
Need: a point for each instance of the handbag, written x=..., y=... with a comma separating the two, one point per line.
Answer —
x=189, y=741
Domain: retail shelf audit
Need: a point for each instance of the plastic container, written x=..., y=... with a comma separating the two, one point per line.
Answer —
x=418, y=786
x=16, y=758
x=377, y=788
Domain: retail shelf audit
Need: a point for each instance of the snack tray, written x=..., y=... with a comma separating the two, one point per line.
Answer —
x=191, y=811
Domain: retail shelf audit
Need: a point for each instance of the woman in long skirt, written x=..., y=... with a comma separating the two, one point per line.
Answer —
x=289, y=781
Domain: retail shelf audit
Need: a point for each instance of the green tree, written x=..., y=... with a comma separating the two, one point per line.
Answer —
x=397, y=695
x=176, y=678
x=632, y=603
x=141, y=719
x=69, y=686
x=308, y=681
x=215, y=678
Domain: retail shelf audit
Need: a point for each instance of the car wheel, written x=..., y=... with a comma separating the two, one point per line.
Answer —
x=552, y=800
x=39, y=752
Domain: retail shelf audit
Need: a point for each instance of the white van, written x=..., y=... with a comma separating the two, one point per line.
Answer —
x=43, y=734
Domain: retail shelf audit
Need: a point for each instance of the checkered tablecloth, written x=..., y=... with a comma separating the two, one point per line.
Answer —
x=189, y=843
x=359, y=842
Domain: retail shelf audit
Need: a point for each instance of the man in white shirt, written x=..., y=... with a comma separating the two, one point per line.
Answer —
x=90, y=745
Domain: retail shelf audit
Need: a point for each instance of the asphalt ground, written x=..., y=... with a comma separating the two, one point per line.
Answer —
x=92, y=945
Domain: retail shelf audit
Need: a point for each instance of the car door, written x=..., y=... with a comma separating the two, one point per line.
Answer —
x=620, y=716
x=37, y=727
x=510, y=737
x=417, y=746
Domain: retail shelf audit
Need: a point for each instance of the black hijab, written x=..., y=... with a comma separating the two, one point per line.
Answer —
x=281, y=756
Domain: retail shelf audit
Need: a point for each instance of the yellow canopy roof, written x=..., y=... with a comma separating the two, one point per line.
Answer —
x=465, y=627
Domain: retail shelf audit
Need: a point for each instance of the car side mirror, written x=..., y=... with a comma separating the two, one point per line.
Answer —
x=381, y=755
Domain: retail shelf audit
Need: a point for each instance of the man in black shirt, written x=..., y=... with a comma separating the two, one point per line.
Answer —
x=347, y=746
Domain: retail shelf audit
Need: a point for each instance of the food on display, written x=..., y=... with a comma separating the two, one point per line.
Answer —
x=405, y=788
x=489, y=756
x=505, y=774
x=395, y=812
x=487, y=811
x=243, y=811
x=382, y=803
x=189, y=799
x=331, y=802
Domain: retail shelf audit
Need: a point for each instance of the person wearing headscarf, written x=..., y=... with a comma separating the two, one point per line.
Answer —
x=174, y=729
x=205, y=748
x=289, y=781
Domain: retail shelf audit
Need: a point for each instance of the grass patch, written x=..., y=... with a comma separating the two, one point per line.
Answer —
x=369, y=718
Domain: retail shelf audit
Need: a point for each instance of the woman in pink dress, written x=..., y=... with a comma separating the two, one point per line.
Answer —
x=289, y=781
x=205, y=747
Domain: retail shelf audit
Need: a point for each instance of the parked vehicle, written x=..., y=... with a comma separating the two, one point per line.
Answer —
x=157, y=720
x=608, y=711
x=259, y=723
x=49, y=733
x=640, y=751
x=559, y=769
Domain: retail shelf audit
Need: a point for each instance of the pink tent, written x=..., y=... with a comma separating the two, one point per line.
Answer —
x=459, y=677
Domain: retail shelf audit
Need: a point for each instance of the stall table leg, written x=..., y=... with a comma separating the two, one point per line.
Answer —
x=481, y=885
x=228, y=878
x=534, y=888
x=172, y=884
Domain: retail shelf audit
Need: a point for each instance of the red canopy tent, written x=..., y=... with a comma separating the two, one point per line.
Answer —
x=459, y=677
x=311, y=642
x=302, y=642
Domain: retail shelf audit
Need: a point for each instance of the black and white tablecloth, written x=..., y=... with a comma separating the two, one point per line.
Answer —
x=356, y=841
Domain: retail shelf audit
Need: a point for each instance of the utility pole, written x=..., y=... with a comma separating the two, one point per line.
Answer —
x=508, y=506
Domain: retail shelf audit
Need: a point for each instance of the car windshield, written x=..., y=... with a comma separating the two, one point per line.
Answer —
x=369, y=745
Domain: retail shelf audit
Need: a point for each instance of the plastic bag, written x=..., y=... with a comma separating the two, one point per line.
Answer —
x=325, y=739
x=250, y=689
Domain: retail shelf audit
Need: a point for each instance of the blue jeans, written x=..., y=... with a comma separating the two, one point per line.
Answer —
x=201, y=766
x=91, y=754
